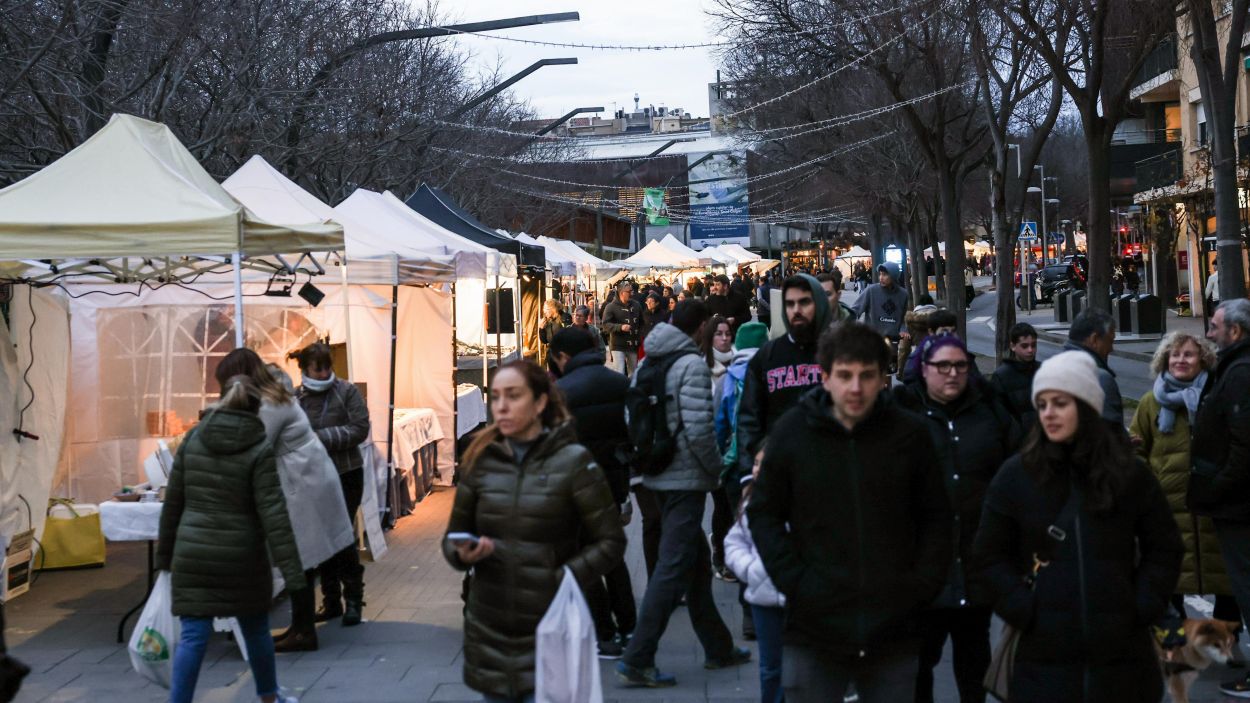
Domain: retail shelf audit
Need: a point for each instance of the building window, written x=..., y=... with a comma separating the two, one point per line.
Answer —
x=1200, y=117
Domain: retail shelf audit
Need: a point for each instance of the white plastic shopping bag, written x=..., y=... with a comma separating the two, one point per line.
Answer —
x=156, y=633
x=566, y=668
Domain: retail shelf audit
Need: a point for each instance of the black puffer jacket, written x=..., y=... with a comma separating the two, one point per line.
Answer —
x=615, y=315
x=1132, y=557
x=553, y=510
x=973, y=436
x=595, y=396
x=341, y=420
x=853, y=526
x=1013, y=382
x=224, y=504
x=1219, y=485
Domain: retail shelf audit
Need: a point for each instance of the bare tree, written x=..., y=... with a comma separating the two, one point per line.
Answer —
x=1215, y=47
x=1095, y=48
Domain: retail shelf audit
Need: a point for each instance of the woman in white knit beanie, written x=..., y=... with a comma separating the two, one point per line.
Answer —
x=1078, y=550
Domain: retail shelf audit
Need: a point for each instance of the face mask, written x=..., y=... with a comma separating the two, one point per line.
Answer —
x=316, y=386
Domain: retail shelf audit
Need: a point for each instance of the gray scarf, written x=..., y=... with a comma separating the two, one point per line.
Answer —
x=1173, y=395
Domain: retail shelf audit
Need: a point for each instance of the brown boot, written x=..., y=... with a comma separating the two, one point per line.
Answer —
x=297, y=641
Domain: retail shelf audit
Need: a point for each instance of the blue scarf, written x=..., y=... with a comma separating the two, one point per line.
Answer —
x=314, y=386
x=1174, y=395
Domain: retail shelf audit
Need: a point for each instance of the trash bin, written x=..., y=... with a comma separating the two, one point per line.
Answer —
x=1076, y=303
x=1061, y=306
x=1121, y=306
x=1147, y=313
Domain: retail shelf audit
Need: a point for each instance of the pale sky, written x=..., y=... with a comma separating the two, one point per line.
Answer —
x=674, y=78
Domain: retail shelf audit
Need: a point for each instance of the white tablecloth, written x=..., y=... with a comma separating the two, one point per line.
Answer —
x=130, y=522
x=414, y=428
x=470, y=408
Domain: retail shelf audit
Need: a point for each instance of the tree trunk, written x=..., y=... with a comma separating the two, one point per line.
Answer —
x=955, y=259
x=95, y=65
x=918, y=281
x=1227, y=213
x=1098, y=231
x=1004, y=255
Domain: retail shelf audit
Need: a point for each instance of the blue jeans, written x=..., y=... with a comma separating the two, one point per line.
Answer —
x=769, y=623
x=189, y=655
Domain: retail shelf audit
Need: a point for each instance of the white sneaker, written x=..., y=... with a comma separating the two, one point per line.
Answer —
x=285, y=696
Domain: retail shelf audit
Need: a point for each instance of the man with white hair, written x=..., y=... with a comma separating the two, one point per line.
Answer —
x=1219, y=480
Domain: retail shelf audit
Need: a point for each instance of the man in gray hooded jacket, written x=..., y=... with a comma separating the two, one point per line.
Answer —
x=885, y=302
x=684, y=566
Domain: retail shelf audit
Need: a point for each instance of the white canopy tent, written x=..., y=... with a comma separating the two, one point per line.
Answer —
x=657, y=256
x=977, y=248
x=700, y=258
x=721, y=257
x=561, y=264
x=738, y=251
x=423, y=374
x=130, y=204
x=846, y=261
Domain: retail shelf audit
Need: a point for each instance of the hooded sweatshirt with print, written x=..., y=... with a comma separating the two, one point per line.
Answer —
x=886, y=307
x=776, y=377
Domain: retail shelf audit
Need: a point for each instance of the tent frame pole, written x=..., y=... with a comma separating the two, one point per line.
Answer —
x=455, y=394
x=389, y=521
x=498, y=318
x=239, y=322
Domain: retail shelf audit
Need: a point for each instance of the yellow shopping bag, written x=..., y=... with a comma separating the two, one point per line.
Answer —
x=70, y=540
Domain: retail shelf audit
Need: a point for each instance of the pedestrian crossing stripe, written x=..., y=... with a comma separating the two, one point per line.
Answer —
x=979, y=320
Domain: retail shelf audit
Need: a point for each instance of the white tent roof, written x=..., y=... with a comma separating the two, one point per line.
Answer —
x=558, y=260
x=856, y=252
x=674, y=244
x=378, y=230
x=977, y=248
x=720, y=256
x=494, y=262
x=133, y=189
x=656, y=255
x=738, y=251
x=373, y=257
x=579, y=254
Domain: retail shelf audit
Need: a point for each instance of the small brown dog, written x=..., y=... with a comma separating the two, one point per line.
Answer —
x=1207, y=642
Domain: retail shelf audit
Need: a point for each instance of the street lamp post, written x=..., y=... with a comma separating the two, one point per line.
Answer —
x=1041, y=169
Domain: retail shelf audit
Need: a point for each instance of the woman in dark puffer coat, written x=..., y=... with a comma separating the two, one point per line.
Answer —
x=1105, y=561
x=538, y=503
x=224, y=504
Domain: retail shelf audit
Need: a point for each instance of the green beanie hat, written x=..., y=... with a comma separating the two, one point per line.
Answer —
x=751, y=335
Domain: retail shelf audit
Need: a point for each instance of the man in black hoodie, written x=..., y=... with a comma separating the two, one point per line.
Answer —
x=851, y=520
x=1013, y=380
x=728, y=303
x=595, y=397
x=782, y=370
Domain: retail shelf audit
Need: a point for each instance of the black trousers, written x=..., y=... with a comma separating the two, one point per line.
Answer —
x=684, y=568
x=342, y=576
x=652, y=520
x=969, y=632
x=612, y=605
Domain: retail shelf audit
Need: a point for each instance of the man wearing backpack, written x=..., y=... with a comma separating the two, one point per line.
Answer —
x=680, y=463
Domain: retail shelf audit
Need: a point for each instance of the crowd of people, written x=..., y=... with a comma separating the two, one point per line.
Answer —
x=874, y=495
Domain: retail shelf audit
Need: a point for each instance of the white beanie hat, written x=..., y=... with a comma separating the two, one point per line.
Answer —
x=1074, y=373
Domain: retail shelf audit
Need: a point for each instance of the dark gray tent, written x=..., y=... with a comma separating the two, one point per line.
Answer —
x=437, y=206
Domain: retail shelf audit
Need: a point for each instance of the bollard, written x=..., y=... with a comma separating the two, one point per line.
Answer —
x=1147, y=313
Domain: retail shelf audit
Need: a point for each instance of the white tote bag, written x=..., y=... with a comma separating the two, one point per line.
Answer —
x=566, y=666
x=156, y=633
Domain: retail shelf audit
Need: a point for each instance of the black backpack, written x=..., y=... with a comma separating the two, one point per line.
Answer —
x=651, y=444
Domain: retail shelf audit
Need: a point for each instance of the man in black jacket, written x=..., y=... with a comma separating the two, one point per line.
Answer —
x=622, y=320
x=851, y=519
x=1219, y=484
x=595, y=397
x=1093, y=332
x=1013, y=380
x=782, y=370
x=728, y=303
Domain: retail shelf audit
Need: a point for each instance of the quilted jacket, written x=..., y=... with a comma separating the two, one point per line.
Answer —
x=697, y=464
x=339, y=417
x=223, y=505
x=553, y=509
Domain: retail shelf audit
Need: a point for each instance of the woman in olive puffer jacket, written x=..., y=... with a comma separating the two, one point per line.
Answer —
x=537, y=503
x=223, y=506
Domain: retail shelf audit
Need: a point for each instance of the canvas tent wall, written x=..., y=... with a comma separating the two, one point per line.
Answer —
x=374, y=259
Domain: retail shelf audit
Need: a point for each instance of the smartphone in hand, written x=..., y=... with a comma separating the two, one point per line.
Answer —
x=458, y=538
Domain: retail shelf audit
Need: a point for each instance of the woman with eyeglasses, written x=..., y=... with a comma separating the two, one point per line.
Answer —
x=974, y=434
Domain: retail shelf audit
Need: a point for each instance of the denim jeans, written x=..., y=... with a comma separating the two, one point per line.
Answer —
x=769, y=624
x=189, y=655
x=623, y=361
x=684, y=567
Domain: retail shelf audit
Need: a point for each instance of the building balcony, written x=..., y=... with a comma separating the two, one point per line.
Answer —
x=1159, y=79
x=1159, y=171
